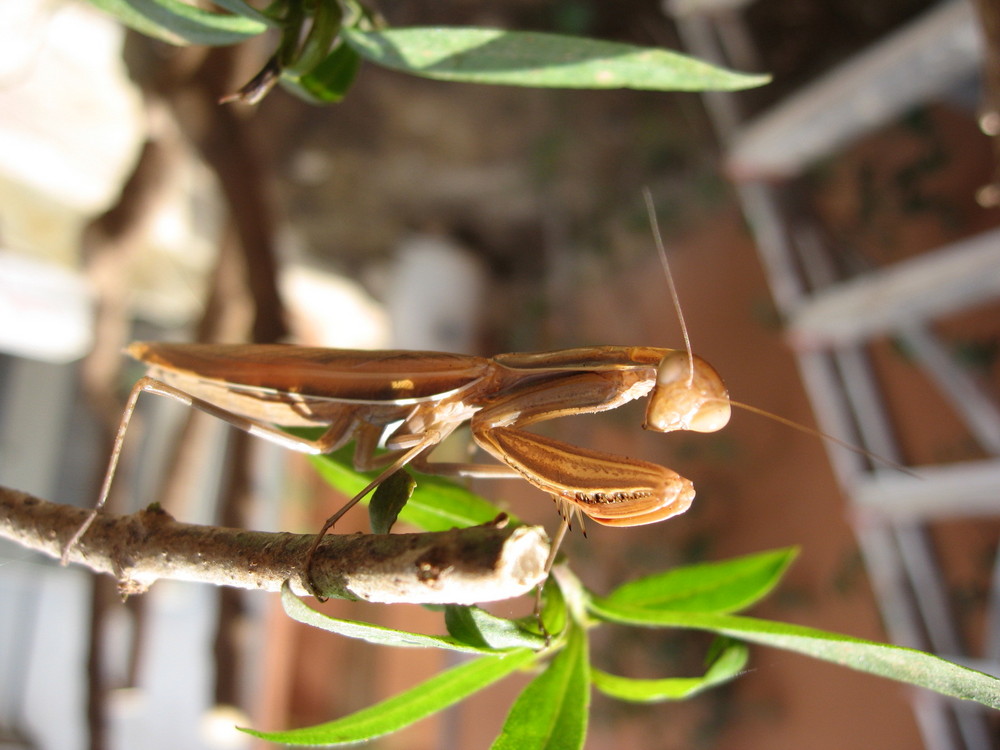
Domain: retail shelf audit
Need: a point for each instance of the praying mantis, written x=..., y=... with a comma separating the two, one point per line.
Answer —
x=410, y=401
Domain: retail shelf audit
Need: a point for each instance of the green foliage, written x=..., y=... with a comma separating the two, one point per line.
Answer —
x=476, y=627
x=726, y=586
x=724, y=662
x=298, y=610
x=435, y=505
x=324, y=41
x=551, y=712
x=179, y=23
x=894, y=662
x=492, y=56
x=417, y=703
x=388, y=499
x=329, y=81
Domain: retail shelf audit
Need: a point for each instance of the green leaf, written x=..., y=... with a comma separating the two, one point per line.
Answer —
x=492, y=56
x=388, y=499
x=299, y=610
x=436, y=504
x=178, y=23
x=551, y=713
x=728, y=662
x=329, y=81
x=554, y=612
x=240, y=8
x=726, y=586
x=324, y=26
x=483, y=630
x=894, y=662
x=437, y=693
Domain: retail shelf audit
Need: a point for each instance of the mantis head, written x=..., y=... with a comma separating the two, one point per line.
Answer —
x=689, y=395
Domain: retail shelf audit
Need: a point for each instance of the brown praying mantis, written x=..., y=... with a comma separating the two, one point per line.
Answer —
x=409, y=401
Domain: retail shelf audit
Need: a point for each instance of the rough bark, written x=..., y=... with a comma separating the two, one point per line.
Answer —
x=460, y=566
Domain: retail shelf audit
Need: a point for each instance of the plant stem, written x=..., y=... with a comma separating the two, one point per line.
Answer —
x=460, y=566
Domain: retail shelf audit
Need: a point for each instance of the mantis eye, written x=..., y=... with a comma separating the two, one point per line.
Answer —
x=689, y=395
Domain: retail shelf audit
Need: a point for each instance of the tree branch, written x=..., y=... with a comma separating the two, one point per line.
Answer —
x=461, y=566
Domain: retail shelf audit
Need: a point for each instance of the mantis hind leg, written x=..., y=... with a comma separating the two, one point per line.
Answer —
x=116, y=451
x=336, y=434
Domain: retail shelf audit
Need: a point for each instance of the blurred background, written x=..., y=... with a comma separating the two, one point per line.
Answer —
x=834, y=240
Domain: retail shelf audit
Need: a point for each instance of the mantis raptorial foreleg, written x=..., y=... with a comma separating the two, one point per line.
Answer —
x=614, y=490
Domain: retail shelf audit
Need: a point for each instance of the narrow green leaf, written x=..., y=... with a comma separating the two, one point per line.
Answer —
x=437, y=693
x=894, y=662
x=554, y=612
x=551, y=713
x=179, y=23
x=479, y=628
x=727, y=664
x=324, y=26
x=388, y=499
x=462, y=626
x=241, y=8
x=726, y=586
x=329, y=81
x=299, y=610
x=492, y=56
x=436, y=504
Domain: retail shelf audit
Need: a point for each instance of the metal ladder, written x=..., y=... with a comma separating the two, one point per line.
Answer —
x=830, y=320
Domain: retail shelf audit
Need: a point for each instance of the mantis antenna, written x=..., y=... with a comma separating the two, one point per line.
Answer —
x=567, y=513
x=675, y=298
x=823, y=436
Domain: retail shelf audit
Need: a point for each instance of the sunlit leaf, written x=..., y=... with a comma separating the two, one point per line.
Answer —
x=554, y=613
x=180, y=23
x=240, y=8
x=729, y=661
x=429, y=697
x=551, y=712
x=895, y=662
x=726, y=586
x=517, y=58
x=299, y=610
x=479, y=628
x=436, y=504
